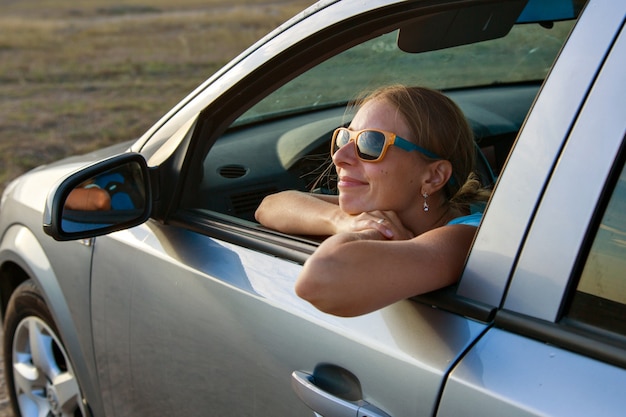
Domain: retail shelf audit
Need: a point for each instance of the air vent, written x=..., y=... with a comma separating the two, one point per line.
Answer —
x=232, y=171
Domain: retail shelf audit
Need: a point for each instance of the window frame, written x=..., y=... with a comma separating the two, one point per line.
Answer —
x=493, y=261
x=589, y=320
x=547, y=273
x=587, y=156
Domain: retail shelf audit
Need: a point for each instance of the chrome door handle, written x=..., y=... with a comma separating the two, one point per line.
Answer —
x=328, y=405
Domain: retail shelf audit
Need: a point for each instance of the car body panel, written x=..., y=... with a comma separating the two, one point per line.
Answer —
x=64, y=279
x=204, y=298
x=509, y=375
x=552, y=246
x=66, y=291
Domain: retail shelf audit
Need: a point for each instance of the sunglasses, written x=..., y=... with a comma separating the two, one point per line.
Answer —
x=372, y=144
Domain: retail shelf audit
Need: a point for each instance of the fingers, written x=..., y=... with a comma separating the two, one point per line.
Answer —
x=382, y=225
x=375, y=220
x=389, y=225
x=386, y=223
x=366, y=221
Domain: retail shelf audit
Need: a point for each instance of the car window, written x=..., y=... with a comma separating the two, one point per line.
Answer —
x=283, y=140
x=600, y=297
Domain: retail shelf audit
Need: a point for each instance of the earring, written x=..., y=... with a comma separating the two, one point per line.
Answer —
x=426, y=207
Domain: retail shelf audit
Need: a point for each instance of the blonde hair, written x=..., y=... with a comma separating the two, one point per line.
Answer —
x=437, y=124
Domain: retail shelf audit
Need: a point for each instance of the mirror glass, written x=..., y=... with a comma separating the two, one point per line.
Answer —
x=111, y=198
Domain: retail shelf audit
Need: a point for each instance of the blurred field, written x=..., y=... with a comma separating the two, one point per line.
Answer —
x=75, y=76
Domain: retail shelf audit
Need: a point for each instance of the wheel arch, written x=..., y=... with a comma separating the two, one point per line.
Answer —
x=11, y=276
x=22, y=258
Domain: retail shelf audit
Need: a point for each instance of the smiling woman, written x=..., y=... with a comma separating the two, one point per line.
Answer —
x=417, y=193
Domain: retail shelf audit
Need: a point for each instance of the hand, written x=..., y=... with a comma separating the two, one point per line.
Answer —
x=386, y=223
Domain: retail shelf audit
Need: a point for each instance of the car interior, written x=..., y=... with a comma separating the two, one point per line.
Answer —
x=290, y=148
x=293, y=153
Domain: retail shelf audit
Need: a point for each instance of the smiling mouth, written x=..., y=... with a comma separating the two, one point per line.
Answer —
x=350, y=182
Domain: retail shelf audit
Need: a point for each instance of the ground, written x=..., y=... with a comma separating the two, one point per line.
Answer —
x=5, y=407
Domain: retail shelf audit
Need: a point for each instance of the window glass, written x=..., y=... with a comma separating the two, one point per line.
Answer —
x=283, y=141
x=525, y=54
x=600, y=298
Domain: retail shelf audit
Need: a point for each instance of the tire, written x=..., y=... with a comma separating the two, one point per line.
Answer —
x=40, y=378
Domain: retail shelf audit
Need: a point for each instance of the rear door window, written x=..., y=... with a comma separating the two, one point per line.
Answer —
x=600, y=296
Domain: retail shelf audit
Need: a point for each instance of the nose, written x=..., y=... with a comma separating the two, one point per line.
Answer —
x=345, y=155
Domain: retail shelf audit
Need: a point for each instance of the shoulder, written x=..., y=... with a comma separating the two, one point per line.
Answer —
x=470, y=220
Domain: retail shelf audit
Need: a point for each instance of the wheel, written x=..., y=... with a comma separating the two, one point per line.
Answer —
x=40, y=378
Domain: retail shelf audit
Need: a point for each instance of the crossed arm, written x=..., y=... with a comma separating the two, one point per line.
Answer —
x=365, y=265
x=299, y=213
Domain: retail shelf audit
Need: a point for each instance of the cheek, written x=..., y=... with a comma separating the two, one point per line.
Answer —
x=397, y=175
x=385, y=177
x=390, y=182
x=410, y=178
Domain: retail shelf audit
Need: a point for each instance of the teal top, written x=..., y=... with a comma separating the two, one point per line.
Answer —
x=471, y=220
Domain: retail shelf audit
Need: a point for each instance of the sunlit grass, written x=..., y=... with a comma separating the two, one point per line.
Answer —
x=75, y=77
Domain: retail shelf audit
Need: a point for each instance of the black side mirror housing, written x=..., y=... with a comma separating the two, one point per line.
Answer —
x=107, y=196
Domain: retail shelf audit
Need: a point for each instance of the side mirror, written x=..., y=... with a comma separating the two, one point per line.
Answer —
x=107, y=196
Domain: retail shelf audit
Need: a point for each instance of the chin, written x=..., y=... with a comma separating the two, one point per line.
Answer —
x=350, y=207
x=354, y=207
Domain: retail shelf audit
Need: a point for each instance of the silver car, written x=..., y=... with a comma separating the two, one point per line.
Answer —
x=183, y=305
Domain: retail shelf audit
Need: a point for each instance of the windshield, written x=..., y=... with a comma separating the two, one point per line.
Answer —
x=524, y=55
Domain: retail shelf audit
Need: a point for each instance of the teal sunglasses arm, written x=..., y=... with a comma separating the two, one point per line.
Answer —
x=410, y=146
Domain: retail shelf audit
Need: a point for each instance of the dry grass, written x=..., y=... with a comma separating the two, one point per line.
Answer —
x=74, y=78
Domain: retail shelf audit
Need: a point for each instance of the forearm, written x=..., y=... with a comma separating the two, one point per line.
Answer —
x=355, y=273
x=299, y=213
x=330, y=278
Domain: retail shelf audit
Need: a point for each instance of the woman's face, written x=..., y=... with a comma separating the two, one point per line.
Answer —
x=395, y=182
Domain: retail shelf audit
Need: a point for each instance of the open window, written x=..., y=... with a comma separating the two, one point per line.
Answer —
x=283, y=141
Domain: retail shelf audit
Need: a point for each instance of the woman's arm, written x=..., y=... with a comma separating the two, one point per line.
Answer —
x=355, y=273
x=300, y=213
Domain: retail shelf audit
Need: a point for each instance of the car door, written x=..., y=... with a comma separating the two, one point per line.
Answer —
x=196, y=315
x=558, y=344
x=193, y=325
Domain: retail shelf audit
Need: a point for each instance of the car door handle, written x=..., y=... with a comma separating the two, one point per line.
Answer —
x=328, y=405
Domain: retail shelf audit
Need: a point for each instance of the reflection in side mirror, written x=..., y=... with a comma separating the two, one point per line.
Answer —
x=107, y=196
x=114, y=197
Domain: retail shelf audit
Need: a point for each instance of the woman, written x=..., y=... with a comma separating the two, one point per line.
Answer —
x=401, y=224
